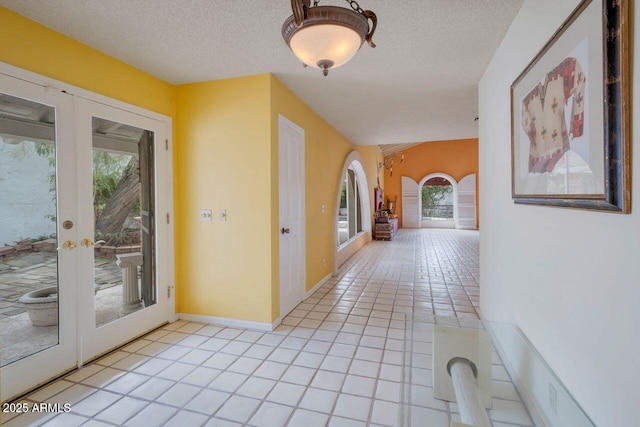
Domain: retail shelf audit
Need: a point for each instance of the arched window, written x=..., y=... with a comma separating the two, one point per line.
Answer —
x=352, y=206
x=350, y=210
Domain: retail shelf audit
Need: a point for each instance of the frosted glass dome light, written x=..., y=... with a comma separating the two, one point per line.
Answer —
x=327, y=37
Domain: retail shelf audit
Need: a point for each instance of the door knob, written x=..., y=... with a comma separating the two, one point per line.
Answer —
x=68, y=245
x=86, y=242
x=285, y=230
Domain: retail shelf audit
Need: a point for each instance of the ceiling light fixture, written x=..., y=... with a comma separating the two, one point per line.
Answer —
x=327, y=36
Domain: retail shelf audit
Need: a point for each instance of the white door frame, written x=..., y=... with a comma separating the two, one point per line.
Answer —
x=56, y=86
x=37, y=368
x=97, y=340
x=292, y=260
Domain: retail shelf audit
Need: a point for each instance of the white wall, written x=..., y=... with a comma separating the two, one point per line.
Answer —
x=570, y=279
x=26, y=199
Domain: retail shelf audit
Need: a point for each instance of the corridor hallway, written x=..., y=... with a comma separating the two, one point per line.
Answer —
x=426, y=271
x=337, y=360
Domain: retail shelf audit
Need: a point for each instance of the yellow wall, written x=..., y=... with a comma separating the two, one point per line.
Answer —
x=223, y=269
x=225, y=157
x=31, y=46
x=228, y=158
x=457, y=158
x=325, y=153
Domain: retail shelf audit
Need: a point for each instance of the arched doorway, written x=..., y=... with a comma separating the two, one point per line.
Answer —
x=437, y=201
x=353, y=219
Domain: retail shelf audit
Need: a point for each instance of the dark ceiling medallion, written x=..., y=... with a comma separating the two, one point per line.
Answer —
x=327, y=36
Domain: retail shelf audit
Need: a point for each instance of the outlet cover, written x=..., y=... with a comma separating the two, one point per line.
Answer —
x=205, y=215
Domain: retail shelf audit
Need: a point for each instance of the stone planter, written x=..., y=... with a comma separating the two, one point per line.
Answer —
x=42, y=306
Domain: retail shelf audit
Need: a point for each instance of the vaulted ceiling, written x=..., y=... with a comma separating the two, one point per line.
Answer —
x=419, y=83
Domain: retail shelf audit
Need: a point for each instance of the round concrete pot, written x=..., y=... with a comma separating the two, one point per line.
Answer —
x=42, y=306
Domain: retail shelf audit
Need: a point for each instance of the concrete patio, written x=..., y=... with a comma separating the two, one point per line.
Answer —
x=24, y=273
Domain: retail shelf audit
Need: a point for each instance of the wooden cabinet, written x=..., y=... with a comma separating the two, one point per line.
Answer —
x=385, y=230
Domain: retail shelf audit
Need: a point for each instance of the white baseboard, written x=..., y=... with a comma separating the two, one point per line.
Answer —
x=318, y=285
x=245, y=324
x=534, y=410
x=233, y=323
x=534, y=379
x=538, y=418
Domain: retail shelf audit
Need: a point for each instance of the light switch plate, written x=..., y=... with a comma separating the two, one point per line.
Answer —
x=205, y=215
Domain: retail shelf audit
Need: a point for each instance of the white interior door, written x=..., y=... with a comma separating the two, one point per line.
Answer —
x=37, y=216
x=410, y=205
x=123, y=251
x=292, y=215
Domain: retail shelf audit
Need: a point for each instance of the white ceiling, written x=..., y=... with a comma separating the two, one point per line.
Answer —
x=419, y=83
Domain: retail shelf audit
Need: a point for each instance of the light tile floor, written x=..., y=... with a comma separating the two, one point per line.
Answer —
x=336, y=360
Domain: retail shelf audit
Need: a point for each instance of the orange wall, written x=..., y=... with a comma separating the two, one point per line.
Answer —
x=457, y=158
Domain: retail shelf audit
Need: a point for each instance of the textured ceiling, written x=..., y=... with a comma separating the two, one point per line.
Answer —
x=419, y=84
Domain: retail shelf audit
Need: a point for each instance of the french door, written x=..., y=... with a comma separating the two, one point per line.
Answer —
x=37, y=169
x=85, y=248
x=123, y=233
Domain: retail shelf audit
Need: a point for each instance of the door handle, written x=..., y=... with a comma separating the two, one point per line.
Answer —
x=86, y=242
x=68, y=245
x=285, y=230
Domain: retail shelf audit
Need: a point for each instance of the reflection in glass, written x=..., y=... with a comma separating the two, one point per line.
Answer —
x=349, y=214
x=28, y=256
x=571, y=175
x=124, y=226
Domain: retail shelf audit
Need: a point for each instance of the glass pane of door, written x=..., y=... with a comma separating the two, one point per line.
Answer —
x=28, y=232
x=123, y=203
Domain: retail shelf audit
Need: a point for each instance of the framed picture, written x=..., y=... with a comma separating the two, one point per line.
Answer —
x=570, y=142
